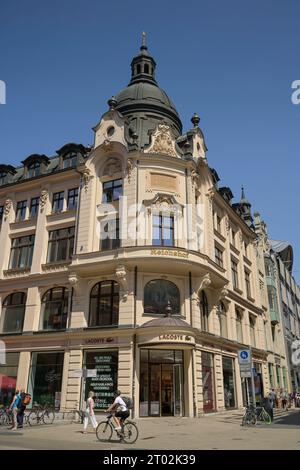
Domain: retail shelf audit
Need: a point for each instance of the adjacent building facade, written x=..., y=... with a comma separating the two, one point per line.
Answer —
x=127, y=258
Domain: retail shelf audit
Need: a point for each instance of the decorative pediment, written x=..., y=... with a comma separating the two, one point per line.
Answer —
x=112, y=166
x=163, y=203
x=163, y=142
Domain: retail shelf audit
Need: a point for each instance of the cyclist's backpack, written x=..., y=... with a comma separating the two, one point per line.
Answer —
x=128, y=402
x=27, y=399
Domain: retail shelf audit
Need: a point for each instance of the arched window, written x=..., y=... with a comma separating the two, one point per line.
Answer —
x=104, y=304
x=222, y=320
x=158, y=293
x=146, y=68
x=13, y=311
x=55, y=309
x=239, y=327
x=70, y=160
x=138, y=68
x=204, y=311
x=34, y=169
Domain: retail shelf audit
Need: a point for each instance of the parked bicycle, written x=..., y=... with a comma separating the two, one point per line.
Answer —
x=252, y=415
x=128, y=433
x=40, y=415
x=6, y=416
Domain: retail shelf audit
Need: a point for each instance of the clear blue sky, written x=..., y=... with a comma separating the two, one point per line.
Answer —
x=231, y=61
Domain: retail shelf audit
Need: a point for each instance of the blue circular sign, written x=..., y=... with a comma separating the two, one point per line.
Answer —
x=244, y=354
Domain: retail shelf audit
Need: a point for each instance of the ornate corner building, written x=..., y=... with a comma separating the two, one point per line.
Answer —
x=128, y=258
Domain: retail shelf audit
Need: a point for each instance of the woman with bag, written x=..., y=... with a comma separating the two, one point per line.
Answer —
x=89, y=413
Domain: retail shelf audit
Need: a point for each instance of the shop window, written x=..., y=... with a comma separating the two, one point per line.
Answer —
x=8, y=378
x=55, y=309
x=13, y=311
x=208, y=383
x=229, y=382
x=45, y=378
x=104, y=304
x=158, y=294
x=204, y=312
x=104, y=384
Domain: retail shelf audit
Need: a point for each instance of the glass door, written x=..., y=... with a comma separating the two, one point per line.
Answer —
x=166, y=390
x=154, y=389
x=177, y=389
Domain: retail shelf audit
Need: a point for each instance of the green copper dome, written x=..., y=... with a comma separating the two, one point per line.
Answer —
x=144, y=103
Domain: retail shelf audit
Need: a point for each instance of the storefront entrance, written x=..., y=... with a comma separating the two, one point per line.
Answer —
x=161, y=382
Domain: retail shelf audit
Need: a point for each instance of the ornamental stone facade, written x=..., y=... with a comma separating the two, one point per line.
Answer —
x=129, y=258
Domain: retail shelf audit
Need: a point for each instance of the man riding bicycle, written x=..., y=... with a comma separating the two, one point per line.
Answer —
x=120, y=409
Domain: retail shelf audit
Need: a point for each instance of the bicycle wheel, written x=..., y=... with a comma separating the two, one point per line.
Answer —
x=33, y=418
x=249, y=419
x=130, y=433
x=265, y=417
x=104, y=431
x=48, y=416
x=74, y=416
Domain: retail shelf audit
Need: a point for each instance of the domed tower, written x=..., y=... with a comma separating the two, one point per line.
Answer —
x=143, y=102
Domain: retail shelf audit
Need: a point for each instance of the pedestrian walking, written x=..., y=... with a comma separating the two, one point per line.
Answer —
x=268, y=405
x=89, y=413
x=14, y=407
x=284, y=399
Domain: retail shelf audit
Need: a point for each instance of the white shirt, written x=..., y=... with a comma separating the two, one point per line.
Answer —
x=121, y=403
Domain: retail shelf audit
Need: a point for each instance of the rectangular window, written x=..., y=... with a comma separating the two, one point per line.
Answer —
x=219, y=256
x=21, y=210
x=61, y=244
x=218, y=223
x=110, y=238
x=72, y=198
x=58, y=201
x=234, y=273
x=34, y=207
x=163, y=230
x=112, y=190
x=21, y=252
x=248, y=284
x=271, y=375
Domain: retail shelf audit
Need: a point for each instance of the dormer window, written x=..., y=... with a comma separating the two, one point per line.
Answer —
x=3, y=177
x=6, y=174
x=35, y=165
x=34, y=169
x=70, y=160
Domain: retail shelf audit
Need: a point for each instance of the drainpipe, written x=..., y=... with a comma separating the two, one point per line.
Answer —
x=134, y=342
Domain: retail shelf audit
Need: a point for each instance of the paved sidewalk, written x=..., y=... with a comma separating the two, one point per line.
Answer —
x=221, y=431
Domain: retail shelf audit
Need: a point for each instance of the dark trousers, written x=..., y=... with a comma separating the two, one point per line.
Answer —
x=20, y=415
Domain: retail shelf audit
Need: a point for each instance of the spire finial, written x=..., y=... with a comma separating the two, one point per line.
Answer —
x=243, y=193
x=143, y=40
